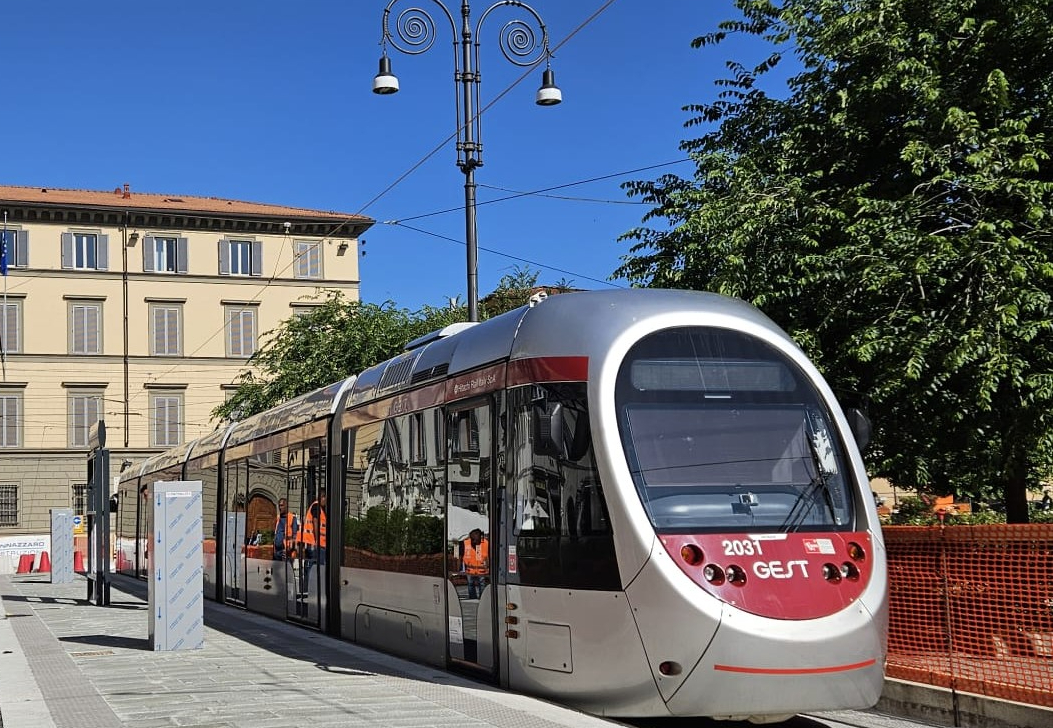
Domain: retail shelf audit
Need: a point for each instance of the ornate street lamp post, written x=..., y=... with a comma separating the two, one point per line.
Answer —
x=521, y=44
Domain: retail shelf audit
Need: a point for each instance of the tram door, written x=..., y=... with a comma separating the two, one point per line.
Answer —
x=237, y=480
x=306, y=568
x=469, y=537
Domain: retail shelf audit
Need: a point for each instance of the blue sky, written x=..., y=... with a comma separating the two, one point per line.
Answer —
x=271, y=101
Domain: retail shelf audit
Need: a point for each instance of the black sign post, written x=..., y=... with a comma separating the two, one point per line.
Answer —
x=98, y=514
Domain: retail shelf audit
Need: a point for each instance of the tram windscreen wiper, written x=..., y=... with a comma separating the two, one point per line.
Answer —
x=818, y=486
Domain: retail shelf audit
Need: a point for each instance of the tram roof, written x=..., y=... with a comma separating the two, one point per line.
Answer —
x=297, y=411
x=161, y=461
x=568, y=323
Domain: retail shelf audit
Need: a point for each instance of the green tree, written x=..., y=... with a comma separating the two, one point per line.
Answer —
x=515, y=289
x=337, y=338
x=892, y=211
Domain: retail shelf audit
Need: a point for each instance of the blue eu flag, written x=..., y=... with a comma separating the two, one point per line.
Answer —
x=3, y=252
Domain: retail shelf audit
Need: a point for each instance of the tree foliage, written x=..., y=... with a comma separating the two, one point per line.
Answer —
x=892, y=211
x=340, y=337
x=516, y=288
x=337, y=338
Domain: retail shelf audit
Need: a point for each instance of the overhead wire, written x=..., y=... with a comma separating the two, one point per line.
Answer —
x=334, y=230
x=416, y=165
x=516, y=194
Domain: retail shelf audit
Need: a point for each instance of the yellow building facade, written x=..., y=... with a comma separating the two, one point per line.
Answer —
x=140, y=310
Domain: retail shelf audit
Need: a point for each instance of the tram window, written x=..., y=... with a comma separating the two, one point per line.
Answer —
x=465, y=434
x=721, y=432
x=394, y=508
x=560, y=523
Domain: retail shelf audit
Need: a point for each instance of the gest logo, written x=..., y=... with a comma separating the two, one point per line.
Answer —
x=780, y=570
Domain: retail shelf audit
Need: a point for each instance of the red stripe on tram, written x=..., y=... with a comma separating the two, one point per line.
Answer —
x=794, y=670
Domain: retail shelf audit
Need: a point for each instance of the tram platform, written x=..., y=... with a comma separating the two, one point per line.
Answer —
x=67, y=663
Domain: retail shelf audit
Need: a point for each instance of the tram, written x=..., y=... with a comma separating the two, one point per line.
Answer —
x=674, y=515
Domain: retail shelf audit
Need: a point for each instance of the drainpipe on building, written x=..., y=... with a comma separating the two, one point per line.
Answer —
x=124, y=293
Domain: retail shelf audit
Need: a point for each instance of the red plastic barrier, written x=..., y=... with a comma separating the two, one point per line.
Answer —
x=971, y=608
x=25, y=563
x=78, y=562
x=45, y=563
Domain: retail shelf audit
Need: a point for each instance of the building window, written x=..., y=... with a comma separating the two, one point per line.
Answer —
x=85, y=409
x=80, y=498
x=8, y=505
x=308, y=259
x=11, y=327
x=240, y=257
x=85, y=328
x=166, y=329
x=15, y=247
x=10, y=420
x=241, y=332
x=85, y=251
x=164, y=254
x=166, y=421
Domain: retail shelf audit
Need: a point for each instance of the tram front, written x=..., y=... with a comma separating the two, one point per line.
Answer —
x=764, y=594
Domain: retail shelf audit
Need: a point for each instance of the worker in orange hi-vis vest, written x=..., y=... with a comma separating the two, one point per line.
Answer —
x=475, y=560
x=286, y=532
x=312, y=536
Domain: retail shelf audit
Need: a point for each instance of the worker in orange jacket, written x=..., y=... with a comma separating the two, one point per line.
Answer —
x=312, y=534
x=475, y=561
x=286, y=532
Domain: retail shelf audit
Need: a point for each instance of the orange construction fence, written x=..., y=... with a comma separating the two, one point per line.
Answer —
x=971, y=609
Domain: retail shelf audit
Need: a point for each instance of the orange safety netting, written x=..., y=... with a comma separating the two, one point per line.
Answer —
x=971, y=608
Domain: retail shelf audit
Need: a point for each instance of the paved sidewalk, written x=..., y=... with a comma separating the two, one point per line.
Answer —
x=65, y=663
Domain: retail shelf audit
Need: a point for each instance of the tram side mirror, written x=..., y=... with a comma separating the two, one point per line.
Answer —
x=548, y=429
x=113, y=503
x=860, y=426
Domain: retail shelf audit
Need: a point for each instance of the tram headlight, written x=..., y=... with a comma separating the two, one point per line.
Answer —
x=831, y=573
x=736, y=575
x=849, y=571
x=713, y=574
x=691, y=554
x=856, y=552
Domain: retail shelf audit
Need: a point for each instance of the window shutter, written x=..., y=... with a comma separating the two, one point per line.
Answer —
x=102, y=255
x=173, y=331
x=160, y=330
x=166, y=421
x=148, y=253
x=257, y=258
x=9, y=421
x=21, y=250
x=85, y=329
x=67, y=250
x=10, y=336
x=248, y=330
x=78, y=329
x=84, y=412
x=234, y=332
x=181, y=255
x=224, y=257
x=91, y=330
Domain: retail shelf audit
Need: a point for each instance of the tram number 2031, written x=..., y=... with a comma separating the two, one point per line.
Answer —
x=742, y=547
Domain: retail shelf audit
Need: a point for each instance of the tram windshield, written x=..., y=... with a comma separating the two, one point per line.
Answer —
x=722, y=432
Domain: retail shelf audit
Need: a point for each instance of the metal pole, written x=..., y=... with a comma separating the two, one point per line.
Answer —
x=473, y=244
x=471, y=161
